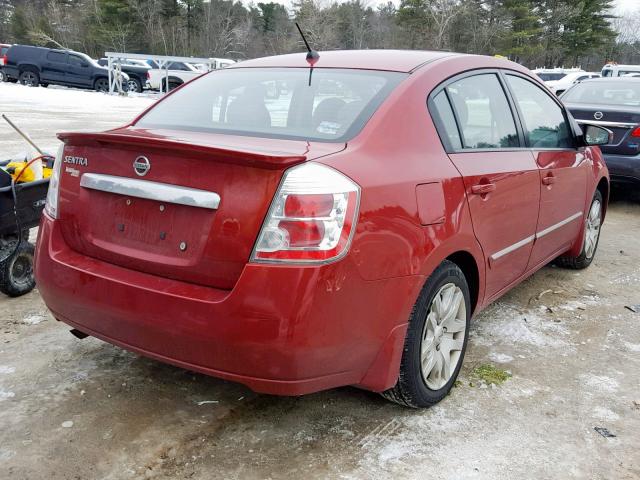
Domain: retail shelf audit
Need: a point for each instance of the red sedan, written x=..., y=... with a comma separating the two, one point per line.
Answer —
x=296, y=230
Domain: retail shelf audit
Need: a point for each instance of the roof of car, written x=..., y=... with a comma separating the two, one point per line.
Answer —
x=390, y=60
x=612, y=79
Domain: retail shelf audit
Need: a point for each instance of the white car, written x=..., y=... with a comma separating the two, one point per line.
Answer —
x=174, y=75
x=177, y=73
x=552, y=74
x=615, y=70
x=559, y=86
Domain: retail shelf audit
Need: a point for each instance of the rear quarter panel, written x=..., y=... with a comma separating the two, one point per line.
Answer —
x=398, y=149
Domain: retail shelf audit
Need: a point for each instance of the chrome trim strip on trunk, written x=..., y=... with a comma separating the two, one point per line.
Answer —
x=550, y=229
x=513, y=247
x=162, y=192
x=540, y=234
x=603, y=123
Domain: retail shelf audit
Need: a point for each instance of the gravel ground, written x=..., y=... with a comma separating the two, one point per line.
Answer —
x=72, y=409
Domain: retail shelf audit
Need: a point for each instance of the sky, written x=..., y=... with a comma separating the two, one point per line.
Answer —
x=628, y=5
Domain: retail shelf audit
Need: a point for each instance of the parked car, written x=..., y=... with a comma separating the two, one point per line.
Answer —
x=613, y=103
x=34, y=66
x=559, y=86
x=138, y=73
x=615, y=70
x=343, y=232
x=554, y=74
x=3, y=57
x=177, y=73
x=174, y=75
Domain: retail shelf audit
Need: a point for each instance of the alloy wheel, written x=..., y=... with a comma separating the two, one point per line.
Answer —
x=28, y=79
x=592, y=228
x=133, y=86
x=443, y=336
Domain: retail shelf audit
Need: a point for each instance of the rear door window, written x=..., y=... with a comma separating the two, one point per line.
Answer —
x=483, y=113
x=448, y=128
x=544, y=120
x=77, y=61
x=57, y=57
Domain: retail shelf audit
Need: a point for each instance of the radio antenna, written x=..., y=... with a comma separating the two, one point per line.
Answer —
x=312, y=55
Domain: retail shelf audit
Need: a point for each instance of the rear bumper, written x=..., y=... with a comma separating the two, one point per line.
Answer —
x=281, y=330
x=623, y=168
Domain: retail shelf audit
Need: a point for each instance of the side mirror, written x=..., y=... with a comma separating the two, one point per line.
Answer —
x=595, y=135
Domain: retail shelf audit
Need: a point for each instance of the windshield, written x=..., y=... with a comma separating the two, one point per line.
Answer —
x=546, y=77
x=276, y=103
x=607, y=72
x=611, y=92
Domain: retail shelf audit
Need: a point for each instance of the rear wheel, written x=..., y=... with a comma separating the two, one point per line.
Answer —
x=3, y=77
x=134, y=85
x=101, y=85
x=436, y=340
x=16, y=272
x=170, y=85
x=592, y=225
x=29, y=78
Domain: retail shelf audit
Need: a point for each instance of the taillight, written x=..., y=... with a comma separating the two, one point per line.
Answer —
x=4, y=60
x=312, y=217
x=636, y=132
x=51, y=206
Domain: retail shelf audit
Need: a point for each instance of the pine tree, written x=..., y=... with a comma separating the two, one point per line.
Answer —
x=589, y=29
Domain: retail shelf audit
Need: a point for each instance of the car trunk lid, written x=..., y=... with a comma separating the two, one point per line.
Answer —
x=620, y=120
x=193, y=216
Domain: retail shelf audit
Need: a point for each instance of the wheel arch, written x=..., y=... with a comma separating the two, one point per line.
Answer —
x=603, y=187
x=23, y=67
x=467, y=263
x=172, y=79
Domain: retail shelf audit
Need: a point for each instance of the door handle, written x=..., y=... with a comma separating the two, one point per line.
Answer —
x=549, y=180
x=483, y=188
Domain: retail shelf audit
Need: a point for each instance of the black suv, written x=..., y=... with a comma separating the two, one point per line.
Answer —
x=35, y=66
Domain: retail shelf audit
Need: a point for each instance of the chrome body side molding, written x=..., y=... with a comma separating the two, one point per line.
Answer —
x=540, y=234
x=512, y=248
x=556, y=226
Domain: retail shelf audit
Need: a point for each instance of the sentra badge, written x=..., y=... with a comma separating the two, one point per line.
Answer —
x=81, y=161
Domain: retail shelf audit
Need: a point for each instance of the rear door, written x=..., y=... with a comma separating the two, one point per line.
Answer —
x=502, y=181
x=563, y=168
x=54, y=67
x=79, y=71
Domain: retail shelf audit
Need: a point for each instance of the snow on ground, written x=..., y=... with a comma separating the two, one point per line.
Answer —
x=42, y=112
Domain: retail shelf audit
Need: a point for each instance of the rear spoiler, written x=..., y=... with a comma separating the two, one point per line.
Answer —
x=250, y=156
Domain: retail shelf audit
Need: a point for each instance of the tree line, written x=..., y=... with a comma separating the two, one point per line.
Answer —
x=533, y=32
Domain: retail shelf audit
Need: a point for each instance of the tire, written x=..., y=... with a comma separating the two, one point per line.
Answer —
x=3, y=77
x=101, y=85
x=29, y=78
x=592, y=225
x=446, y=291
x=134, y=85
x=172, y=85
x=16, y=273
x=44, y=85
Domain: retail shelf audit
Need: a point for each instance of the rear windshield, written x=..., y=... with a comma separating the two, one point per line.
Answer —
x=276, y=103
x=611, y=92
x=547, y=77
x=3, y=51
